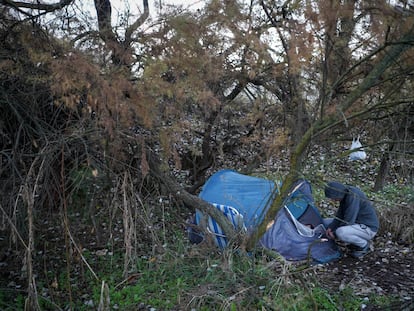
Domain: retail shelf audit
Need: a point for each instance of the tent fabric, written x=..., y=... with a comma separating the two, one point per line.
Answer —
x=233, y=216
x=247, y=194
x=287, y=237
x=297, y=231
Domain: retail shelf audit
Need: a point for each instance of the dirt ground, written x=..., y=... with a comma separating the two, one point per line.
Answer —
x=387, y=270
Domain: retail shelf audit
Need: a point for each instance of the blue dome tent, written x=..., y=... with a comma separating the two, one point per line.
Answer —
x=296, y=232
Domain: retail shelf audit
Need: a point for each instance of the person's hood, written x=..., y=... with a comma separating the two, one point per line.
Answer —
x=335, y=190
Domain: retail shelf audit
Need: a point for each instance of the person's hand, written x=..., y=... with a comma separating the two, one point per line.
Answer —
x=330, y=234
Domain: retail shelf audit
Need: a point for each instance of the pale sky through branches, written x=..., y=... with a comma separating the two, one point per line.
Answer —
x=136, y=6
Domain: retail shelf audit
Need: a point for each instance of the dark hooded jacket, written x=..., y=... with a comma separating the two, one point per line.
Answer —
x=354, y=207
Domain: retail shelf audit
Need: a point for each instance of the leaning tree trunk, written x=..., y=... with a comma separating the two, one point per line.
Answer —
x=189, y=199
x=383, y=170
x=326, y=123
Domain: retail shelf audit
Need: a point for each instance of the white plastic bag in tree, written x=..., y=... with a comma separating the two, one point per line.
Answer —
x=360, y=154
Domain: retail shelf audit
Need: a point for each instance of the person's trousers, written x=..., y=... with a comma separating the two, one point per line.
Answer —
x=357, y=234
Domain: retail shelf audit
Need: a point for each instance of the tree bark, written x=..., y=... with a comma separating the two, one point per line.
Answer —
x=382, y=173
x=392, y=54
x=191, y=200
x=121, y=50
x=37, y=6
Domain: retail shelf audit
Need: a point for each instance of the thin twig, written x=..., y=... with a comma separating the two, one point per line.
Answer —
x=80, y=253
x=13, y=227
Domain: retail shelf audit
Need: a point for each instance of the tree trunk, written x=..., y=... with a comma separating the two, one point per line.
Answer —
x=383, y=169
x=325, y=123
x=382, y=173
x=121, y=51
x=191, y=200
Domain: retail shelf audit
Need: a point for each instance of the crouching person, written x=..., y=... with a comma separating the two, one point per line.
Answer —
x=356, y=222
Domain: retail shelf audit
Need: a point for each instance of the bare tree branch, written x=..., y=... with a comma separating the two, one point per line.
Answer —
x=37, y=6
x=391, y=56
x=131, y=29
x=121, y=51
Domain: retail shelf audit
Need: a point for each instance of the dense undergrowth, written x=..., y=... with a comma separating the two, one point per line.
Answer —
x=107, y=263
x=187, y=278
x=84, y=227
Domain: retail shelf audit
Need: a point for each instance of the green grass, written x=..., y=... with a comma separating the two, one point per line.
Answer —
x=226, y=281
x=397, y=194
x=7, y=304
x=185, y=278
x=179, y=279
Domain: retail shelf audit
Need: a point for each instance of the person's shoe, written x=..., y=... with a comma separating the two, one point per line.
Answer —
x=360, y=252
x=353, y=248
